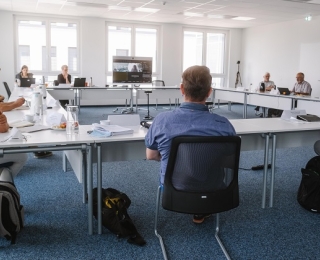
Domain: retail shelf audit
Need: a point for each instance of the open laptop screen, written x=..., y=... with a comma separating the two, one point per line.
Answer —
x=26, y=82
x=79, y=82
x=284, y=91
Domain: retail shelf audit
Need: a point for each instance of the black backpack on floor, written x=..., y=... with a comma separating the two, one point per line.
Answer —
x=115, y=216
x=309, y=189
x=11, y=212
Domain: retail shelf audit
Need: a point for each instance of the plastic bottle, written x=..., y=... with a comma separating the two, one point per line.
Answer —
x=72, y=120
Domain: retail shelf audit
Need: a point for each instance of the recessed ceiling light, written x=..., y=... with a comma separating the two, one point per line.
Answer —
x=146, y=10
x=192, y=14
x=308, y=18
x=243, y=18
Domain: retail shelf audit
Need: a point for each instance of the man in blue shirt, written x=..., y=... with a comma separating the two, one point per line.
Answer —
x=191, y=118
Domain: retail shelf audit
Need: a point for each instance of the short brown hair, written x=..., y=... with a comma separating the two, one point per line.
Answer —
x=196, y=82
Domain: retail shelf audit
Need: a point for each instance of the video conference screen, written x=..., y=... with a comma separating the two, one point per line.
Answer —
x=128, y=69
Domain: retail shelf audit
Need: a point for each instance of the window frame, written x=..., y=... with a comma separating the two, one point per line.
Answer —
x=48, y=20
x=133, y=27
x=205, y=31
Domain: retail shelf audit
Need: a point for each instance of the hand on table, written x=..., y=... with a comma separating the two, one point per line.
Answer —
x=3, y=123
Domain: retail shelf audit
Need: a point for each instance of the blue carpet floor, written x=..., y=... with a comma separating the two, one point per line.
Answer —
x=56, y=218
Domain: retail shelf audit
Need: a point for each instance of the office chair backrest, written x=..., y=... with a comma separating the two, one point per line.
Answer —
x=158, y=83
x=202, y=174
x=7, y=89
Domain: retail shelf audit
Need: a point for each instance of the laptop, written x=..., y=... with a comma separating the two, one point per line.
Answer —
x=284, y=91
x=26, y=82
x=309, y=118
x=79, y=82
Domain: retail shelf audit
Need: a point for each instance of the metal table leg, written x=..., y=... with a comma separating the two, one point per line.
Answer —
x=273, y=163
x=265, y=171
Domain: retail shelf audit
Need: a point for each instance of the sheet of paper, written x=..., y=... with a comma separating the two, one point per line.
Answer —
x=55, y=118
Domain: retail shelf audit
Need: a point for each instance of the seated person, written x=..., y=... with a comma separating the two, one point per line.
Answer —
x=268, y=84
x=191, y=118
x=10, y=164
x=23, y=74
x=64, y=78
x=300, y=87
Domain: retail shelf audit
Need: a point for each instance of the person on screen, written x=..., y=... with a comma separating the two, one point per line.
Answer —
x=24, y=73
x=64, y=78
x=301, y=86
x=10, y=164
x=268, y=84
x=134, y=68
x=191, y=118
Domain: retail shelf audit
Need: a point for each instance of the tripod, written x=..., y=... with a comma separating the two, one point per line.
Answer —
x=148, y=117
x=238, y=78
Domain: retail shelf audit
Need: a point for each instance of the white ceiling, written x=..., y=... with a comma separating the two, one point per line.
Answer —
x=171, y=11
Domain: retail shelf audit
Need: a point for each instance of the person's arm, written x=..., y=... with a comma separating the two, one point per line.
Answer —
x=4, y=127
x=153, y=155
x=61, y=79
x=68, y=79
x=7, y=106
x=1, y=98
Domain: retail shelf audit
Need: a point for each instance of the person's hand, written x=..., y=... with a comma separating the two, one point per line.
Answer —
x=19, y=102
x=1, y=98
x=3, y=123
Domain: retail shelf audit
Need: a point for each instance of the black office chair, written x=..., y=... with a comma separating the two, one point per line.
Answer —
x=7, y=89
x=201, y=178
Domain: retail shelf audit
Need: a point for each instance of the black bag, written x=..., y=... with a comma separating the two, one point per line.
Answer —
x=11, y=212
x=115, y=216
x=309, y=189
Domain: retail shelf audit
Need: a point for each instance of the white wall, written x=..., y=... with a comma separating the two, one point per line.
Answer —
x=282, y=49
x=93, y=50
x=6, y=50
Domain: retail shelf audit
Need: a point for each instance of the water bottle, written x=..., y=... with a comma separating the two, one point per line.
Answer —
x=43, y=91
x=36, y=105
x=72, y=120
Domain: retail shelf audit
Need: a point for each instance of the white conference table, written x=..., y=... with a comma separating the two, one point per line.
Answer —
x=255, y=135
x=267, y=99
x=51, y=140
x=123, y=95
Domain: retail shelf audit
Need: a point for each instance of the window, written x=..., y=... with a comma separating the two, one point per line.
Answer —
x=133, y=40
x=44, y=46
x=203, y=47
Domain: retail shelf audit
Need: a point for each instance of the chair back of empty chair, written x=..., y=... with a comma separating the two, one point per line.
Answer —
x=7, y=89
x=158, y=83
x=202, y=174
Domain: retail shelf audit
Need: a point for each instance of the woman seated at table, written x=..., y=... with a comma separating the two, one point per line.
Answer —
x=64, y=78
x=10, y=164
x=23, y=74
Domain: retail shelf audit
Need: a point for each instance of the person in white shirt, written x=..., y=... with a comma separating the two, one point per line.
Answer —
x=301, y=86
x=269, y=85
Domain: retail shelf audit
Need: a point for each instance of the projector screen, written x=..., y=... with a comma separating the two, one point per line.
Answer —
x=128, y=69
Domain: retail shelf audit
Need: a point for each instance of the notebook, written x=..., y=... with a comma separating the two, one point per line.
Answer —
x=309, y=118
x=79, y=82
x=26, y=82
x=284, y=91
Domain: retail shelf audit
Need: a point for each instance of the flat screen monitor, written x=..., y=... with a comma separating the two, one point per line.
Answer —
x=127, y=69
x=26, y=82
x=79, y=82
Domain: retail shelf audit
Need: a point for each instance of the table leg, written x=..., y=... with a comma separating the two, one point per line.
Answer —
x=90, y=186
x=245, y=106
x=265, y=170
x=84, y=175
x=99, y=189
x=273, y=161
x=64, y=162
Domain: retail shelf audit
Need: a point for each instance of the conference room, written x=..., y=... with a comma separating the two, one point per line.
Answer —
x=85, y=35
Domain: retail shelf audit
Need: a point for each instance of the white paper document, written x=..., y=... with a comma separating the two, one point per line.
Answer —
x=112, y=129
x=20, y=123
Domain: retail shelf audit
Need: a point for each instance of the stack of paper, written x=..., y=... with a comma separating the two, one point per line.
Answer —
x=20, y=123
x=112, y=129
